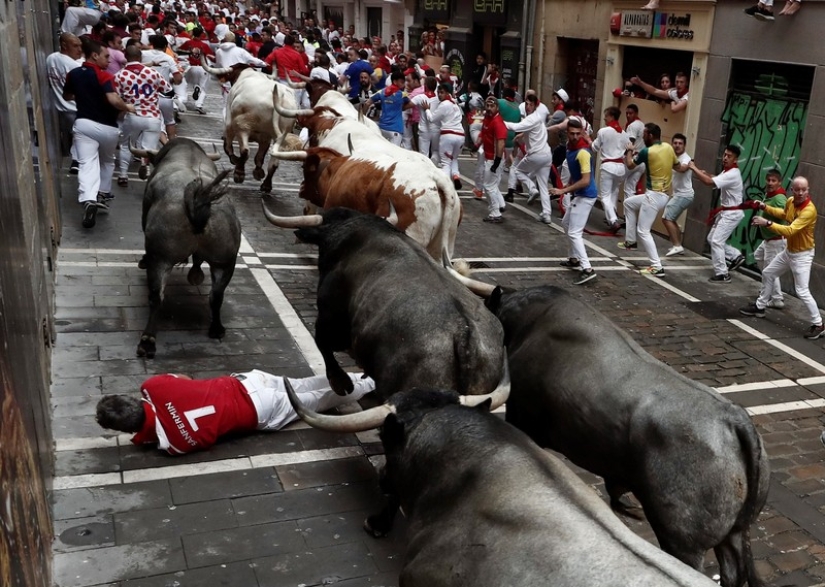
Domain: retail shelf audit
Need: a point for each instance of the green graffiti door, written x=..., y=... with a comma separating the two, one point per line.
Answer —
x=769, y=128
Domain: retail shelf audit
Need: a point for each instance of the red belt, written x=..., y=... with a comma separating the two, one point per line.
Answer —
x=775, y=238
x=452, y=132
x=612, y=160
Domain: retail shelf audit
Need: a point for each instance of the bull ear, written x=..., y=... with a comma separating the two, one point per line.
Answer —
x=392, y=432
x=485, y=405
x=493, y=303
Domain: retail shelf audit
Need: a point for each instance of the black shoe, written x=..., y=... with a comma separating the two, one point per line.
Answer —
x=737, y=263
x=74, y=167
x=615, y=227
x=143, y=171
x=571, y=263
x=502, y=209
x=509, y=196
x=724, y=278
x=815, y=331
x=196, y=93
x=585, y=276
x=456, y=183
x=752, y=310
x=763, y=14
x=89, y=214
x=494, y=219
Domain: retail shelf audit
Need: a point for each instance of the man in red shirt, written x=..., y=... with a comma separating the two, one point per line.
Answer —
x=287, y=59
x=183, y=415
x=493, y=137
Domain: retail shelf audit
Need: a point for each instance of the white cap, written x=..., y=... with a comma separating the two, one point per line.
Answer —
x=254, y=17
x=220, y=31
x=562, y=94
x=279, y=39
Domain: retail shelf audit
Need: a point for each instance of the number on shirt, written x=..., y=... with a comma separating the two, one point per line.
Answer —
x=146, y=89
x=192, y=415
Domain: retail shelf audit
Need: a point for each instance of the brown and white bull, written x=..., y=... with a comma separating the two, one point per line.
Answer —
x=251, y=116
x=425, y=201
x=322, y=94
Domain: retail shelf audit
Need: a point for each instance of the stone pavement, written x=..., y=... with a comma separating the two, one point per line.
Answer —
x=285, y=508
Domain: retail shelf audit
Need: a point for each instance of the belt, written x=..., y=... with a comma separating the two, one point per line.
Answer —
x=775, y=238
x=452, y=132
x=612, y=160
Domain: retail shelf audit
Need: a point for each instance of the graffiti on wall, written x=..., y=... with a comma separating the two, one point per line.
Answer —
x=769, y=129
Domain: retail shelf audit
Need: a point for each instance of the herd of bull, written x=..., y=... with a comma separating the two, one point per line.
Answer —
x=486, y=505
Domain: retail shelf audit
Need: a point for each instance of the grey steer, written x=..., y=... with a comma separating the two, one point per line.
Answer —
x=488, y=508
x=185, y=213
x=583, y=387
x=403, y=319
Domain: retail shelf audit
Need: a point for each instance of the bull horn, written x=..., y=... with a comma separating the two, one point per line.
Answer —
x=292, y=221
x=290, y=112
x=214, y=156
x=296, y=85
x=349, y=143
x=358, y=422
x=149, y=153
x=392, y=217
x=479, y=288
x=289, y=155
x=215, y=70
x=498, y=396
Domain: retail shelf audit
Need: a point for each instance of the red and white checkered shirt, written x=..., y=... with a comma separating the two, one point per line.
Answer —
x=141, y=85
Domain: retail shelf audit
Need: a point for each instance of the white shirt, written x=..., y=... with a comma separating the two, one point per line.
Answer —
x=610, y=144
x=729, y=184
x=673, y=95
x=319, y=72
x=682, y=182
x=57, y=66
x=447, y=117
x=229, y=54
x=634, y=131
x=534, y=126
x=166, y=66
x=424, y=124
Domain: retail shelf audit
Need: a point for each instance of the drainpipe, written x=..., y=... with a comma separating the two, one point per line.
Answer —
x=541, y=49
x=525, y=19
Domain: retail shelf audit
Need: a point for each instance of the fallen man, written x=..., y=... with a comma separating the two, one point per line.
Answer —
x=183, y=415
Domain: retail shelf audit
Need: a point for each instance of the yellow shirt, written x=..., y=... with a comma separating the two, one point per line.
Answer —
x=800, y=230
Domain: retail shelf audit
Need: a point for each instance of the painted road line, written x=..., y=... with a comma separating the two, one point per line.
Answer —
x=80, y=481
x=122, y=264
x=306, y=456
x=811, y=380
x=661, y=282
x=787, y=407
x=70, y=444
x=777, y=383
x=782, y=347
x=187, y=470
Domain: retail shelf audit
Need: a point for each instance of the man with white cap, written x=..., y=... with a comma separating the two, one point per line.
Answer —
x=229, y=54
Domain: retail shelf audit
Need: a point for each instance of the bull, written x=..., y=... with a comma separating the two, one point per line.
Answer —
x=185, y=213
x=427, y=204
x=403, y=319
x=487, y=507
x=321, y=93
x=251, y=116
x=585, y=388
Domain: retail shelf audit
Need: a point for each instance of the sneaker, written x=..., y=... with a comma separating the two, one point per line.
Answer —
x=89, y=214
x=815, y=331
x=143, y=171
x=723, y=278
x=752, y=310
x=532, y=197
x=509, y=197
x=677, y=250
x=615, y=227
x=200, y=110
x=494, y=219
x=736, y=263
x=457, y=182
x=545, y=218
x=654, y=271
x=584, y=276
x=74, y=167
x=571, y=263
x=502, y=209
x=478, y=194
x=777, y=304
x=628, y=246
x=196, y=93
x=763, y=14
x=123, y=182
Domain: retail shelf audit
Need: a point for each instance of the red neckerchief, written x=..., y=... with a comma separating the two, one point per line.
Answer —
x=734, y=166
x=779, y=190
x=682, y=94
x=558, y=107
x=134, y=66
x=449, y=98
x=391, y=89
x=614, y=124
x=803, y=204
x=582, y=144
x=102, y=75
x=429, y=94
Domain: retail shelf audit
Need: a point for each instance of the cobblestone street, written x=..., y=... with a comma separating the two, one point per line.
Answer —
x=286, y=508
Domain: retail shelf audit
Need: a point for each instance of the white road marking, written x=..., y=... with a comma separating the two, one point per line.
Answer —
x=738, y=387
x=781, y=346
x=787, y=407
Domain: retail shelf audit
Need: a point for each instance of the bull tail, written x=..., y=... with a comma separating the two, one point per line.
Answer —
x=198, y=200
x=450, y=218
x=753, y=453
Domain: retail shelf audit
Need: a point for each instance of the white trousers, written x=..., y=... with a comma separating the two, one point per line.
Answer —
x=142, y=132
x=536, y=165
x=428, y=145
x=449, y=147
x=77, y=18
x=766, y=252
x=480, y=173
x=631, y=180
x=167, y=110
x=723, y=226
x=268, y=394
x=197, y=77
x=610, y=181
x=800, y=266
x=491, y=182
x=575, y=219
x=407, y=138
x=640, y=213
x=95, y=145
x=518, y=154
x=394, y=137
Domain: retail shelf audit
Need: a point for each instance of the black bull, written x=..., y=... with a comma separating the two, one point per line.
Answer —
x=488, y=508
x=583, y=387
x=400, y=316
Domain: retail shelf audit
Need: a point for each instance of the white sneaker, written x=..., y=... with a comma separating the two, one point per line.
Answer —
x=677, y=250
x=776, y=304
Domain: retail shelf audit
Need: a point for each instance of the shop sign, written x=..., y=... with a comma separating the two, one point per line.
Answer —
x=672, y=26
x=436, y=10
x=488, y=6
x=636, y=23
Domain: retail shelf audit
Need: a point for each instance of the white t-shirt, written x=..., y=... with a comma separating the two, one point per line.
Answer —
x=730, y=184
x=682, y=182
x=57, y=66
x=424, y=124
x=634, y=131
x=610, y=144
x=673, y=95
x=166, y=66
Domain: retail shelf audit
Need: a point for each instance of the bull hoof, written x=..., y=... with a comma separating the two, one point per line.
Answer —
x=143, y=264
x=375, y=526
x=146, y=347
x=341, y=383
x=238, y=177
x=259, y=173
x=266, y=188
x=195, y=276
x=217, y=331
